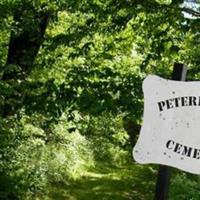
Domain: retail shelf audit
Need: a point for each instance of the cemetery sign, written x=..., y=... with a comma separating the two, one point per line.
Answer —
x=170, y=134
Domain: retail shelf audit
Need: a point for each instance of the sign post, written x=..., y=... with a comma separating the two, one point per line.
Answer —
x=162, y=185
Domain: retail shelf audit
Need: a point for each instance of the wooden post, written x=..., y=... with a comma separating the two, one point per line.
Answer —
x=162, y=185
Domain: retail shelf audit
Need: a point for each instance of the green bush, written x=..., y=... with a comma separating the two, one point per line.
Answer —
x=108, y=138
x=185, y=187
x=33, y=158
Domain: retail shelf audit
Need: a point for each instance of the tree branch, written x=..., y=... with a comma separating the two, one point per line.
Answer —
x=191, y=12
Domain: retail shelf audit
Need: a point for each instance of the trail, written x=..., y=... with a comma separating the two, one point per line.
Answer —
x=131, y=182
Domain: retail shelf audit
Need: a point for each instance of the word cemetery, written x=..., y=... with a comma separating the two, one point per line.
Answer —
x=183, y=150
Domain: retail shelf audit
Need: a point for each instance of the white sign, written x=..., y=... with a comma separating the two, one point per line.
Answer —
x=170, y=134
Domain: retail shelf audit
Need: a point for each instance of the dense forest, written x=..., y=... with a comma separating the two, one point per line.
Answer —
x=71, y=100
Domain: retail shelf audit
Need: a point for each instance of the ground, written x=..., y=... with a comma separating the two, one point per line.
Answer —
x=108, y=182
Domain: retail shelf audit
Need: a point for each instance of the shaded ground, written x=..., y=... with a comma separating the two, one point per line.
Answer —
x=130, y=182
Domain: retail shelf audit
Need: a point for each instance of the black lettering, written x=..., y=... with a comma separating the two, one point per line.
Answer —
x=186, y=151
x=192, y=101
x=184, y=101
x=196, y=153
x=169, y=104
x=179, y=102
x=177, y=148
x=161, y=104
x=176, y=101
x=170, y=144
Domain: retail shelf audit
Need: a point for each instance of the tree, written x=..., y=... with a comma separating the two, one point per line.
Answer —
x=72, y=60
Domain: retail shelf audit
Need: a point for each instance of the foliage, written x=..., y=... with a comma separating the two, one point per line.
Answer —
x=71, y=73
x=104, y=138
x=188, y=190
x=34, y=157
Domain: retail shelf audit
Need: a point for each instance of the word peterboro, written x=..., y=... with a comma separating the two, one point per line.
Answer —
x=179, y=102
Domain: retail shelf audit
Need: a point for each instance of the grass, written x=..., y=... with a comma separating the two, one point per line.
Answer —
x=108, y=182
x=130, y=181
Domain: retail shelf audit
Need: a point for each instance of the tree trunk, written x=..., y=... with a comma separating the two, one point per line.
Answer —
x=27, y=36
x=132, y=129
